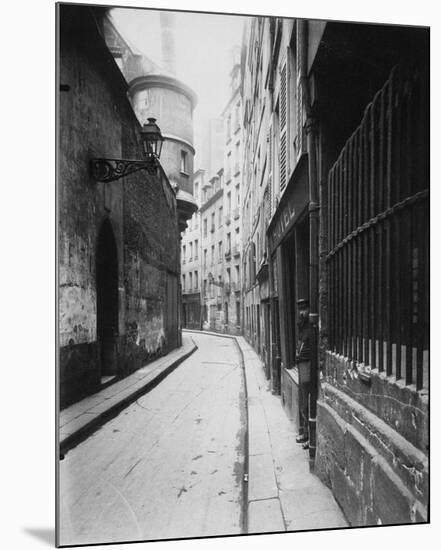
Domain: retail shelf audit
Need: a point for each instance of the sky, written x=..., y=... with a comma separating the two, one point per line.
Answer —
x=203, y=44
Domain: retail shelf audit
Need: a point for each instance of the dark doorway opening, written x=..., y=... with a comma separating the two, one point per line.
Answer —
x=107, y=300
x=267, y=336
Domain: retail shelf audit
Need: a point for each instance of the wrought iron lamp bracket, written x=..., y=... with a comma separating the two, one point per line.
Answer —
x=107, y=170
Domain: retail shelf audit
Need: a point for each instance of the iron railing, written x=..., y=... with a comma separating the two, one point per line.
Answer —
x=378, y=234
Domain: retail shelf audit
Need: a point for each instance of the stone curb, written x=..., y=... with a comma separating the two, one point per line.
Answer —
x=211, y=333
x=73, y=439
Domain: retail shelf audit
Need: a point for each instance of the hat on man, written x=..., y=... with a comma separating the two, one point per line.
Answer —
x=302, y=303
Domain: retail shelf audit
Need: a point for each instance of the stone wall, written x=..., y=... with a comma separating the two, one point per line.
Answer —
x=97, y=120
x=150, y=256
x=372, y=445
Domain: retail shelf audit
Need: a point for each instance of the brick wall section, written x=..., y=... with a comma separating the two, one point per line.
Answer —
x=97, y=120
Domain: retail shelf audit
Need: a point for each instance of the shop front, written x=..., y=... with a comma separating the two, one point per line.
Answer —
x=288, y=244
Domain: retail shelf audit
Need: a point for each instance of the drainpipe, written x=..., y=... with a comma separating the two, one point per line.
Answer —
x=314, y=220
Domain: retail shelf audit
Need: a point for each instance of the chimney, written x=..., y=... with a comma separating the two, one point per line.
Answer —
x=167, y=23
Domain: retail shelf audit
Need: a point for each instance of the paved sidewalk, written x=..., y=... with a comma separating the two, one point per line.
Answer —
x=283, y=495
x=82, y=418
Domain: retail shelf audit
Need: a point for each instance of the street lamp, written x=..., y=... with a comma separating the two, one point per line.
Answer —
x=106, y=170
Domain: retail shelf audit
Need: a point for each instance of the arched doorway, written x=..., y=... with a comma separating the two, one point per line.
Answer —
x=107, y=298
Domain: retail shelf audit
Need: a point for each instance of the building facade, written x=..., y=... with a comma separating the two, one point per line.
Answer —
x=334, y=211
x=215, y=230
x=119, y=261
x=232, y=166
x=212, y=222
x=191, y=274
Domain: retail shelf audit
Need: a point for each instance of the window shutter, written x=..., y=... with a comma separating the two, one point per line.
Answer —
x=283, y=126
x=299, y=142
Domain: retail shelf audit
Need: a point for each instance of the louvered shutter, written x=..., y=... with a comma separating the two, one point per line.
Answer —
x=270, y=169
x=283, y=126
x=299, y=102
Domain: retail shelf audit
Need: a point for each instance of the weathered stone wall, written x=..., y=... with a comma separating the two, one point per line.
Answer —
x=88, y=126
x=97, y=120
x=372, y=446
x=150, y=255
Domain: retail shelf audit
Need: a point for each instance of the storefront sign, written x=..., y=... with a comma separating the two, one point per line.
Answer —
x=291, y=206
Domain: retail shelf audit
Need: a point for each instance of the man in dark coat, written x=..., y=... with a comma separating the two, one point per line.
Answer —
x=303, y=361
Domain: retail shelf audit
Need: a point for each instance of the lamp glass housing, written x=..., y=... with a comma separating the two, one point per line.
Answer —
x=152, y=139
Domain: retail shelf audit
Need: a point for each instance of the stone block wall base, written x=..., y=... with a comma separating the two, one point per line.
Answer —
x=79, y=373
x=366, y=486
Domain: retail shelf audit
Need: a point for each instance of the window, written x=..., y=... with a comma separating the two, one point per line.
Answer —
x=205, y=227
x=219, y=251
x=220, y=215
x=183, y=254
x=258, y=249
x=238, y=195
x=229, y=202
x=196, y=280
x=183, y=283
x=237, y=115
x=196, y=191
x=191, y=252
x=196, y=249
x=212, y=221
x=205, y=258
x=190, y=280
x=237, y=159
x=237, y=268
x=212, y=254
x=184, y=162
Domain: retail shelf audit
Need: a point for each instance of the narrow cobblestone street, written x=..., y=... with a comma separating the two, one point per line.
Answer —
x=168, y=466
x=175, y=460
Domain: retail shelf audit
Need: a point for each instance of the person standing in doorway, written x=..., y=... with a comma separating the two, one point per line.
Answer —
x=303, y=361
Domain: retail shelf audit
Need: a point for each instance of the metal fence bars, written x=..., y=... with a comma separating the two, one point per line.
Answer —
x=378, y=234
